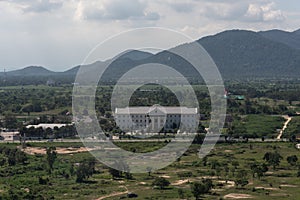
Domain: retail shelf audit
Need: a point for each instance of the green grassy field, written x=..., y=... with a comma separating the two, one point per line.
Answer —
x=21, y=180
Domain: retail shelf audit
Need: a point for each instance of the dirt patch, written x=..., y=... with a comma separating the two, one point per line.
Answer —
x=238, y=196
x=228, y=151
x=114, y=194
x=264, y=188
x=229, y=184
x=279, y=195
x=290, y=186
x=209, y=177
x=59, y=150
x=217, y=190
x=180, y=182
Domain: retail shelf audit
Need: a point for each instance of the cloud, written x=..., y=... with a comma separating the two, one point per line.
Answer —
x=182, y=7
x=115, y=10
x=264, y=13
x=230, y=10
x=37, y=6
x=225, y=11
x=43, y=6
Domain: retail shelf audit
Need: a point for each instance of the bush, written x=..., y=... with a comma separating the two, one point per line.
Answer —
x=160, y=182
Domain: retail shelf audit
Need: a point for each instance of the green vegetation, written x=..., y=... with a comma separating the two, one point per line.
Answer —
x=256, y=126
x=293, y=128
x=266, y=170
x=230, y=168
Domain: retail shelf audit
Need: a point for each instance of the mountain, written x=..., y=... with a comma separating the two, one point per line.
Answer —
x=31, y=70
x=291, y=39
x=297, y=31
x=136, y=55
x=239, y=54
x=247, y=54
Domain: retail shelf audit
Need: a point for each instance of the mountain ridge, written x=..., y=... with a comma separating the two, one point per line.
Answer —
x=237, y=53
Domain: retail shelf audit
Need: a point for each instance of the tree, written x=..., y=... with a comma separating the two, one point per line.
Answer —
x=258, y=170
x=85, y=170
x=115, y=173
x=200, y=188
x=180, y=193
x=11, y=158
x=10, y=121
x=241, y=178
x=273, y=158
x=292, y=160
x=149, y=170
x=20, y=157
x=204, y=161
x=161, y=182
x=51, y=157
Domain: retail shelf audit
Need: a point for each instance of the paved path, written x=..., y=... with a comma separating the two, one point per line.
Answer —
x=288, y=119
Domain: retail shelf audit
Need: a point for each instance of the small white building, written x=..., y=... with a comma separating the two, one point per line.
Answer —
x=156, y=118
x=298, y=146
x=10, y=136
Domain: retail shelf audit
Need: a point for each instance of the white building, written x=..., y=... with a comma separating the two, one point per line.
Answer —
x=10, y=136
x=45, y=126
x=156, y=118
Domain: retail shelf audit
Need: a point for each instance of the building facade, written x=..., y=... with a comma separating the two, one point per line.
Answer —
x=10, y=136
x=156, y=119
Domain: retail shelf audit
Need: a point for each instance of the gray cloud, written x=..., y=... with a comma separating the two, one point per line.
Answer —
x=182, y=7
x=231, y=10
x=43, y=6
x=225, y=11
x=117, y=10
x=38, y=6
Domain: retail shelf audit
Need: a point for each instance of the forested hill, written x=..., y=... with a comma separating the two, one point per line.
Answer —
x=239, y=54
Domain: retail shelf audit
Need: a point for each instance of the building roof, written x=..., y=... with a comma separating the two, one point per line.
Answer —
x=163, y=109
x=45, y=126
x=9, y=133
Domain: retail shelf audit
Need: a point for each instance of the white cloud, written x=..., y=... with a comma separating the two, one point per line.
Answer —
x=43, y=6
x=115, y=10
x=266, y=13
x=36, y=5
x=182, y=7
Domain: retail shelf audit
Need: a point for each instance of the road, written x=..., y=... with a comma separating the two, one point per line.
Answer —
x=288, y=119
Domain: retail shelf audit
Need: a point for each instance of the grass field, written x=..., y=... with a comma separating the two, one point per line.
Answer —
x=282, y=183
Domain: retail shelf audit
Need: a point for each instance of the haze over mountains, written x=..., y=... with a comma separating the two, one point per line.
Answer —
x=239, y=54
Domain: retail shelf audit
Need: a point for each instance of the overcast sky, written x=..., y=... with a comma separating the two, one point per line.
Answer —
x=58, y=34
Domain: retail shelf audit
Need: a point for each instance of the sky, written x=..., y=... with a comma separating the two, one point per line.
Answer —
x=59, y=34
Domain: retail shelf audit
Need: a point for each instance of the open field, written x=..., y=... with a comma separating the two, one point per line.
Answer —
x=23, y=180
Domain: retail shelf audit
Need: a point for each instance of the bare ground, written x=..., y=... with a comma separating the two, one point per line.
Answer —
x=238, y=196
x=59, y=150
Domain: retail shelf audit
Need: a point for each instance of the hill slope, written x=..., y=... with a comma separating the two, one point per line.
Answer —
x=291, y=39
x=239, y=54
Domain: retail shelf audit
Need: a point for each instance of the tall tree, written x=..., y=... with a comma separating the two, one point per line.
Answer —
x=51, y=157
